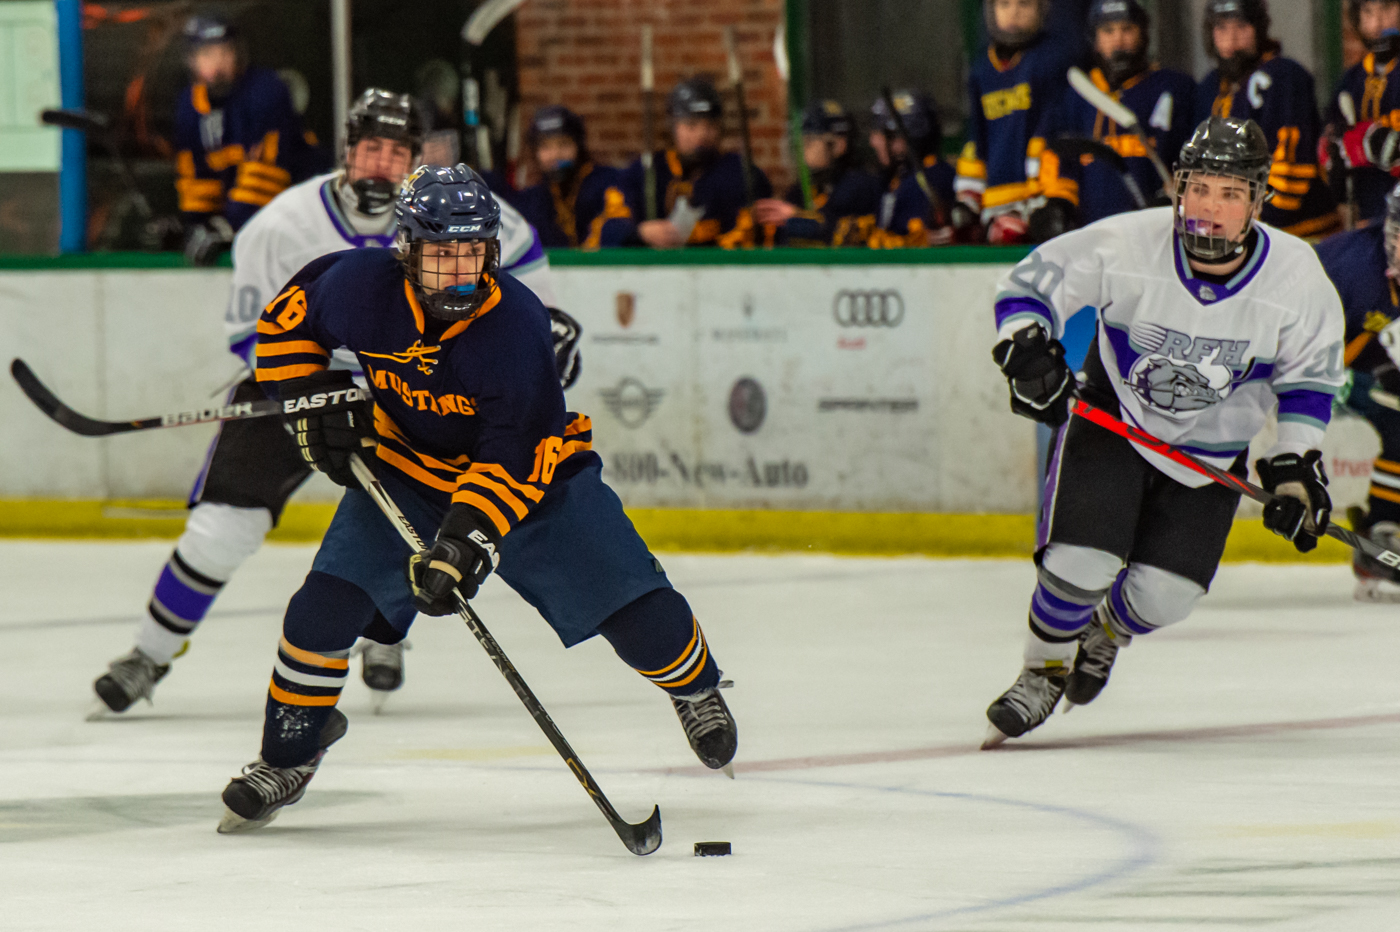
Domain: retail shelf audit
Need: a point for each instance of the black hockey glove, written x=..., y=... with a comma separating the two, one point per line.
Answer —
x=1054, y=217
x=566, y=332
x=1381, y=146
x=464, y=554
x=1040, y=379
x=205, y=242
x=331, y=418
x=1302, y=508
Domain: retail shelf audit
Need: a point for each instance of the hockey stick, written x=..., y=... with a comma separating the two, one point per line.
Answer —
x=935, y=203
x=484, y=18
x=1075, y=146
x=648, y=123
x=736, y=81
x=642, y=838
x=1228, y=479
x=799, y=157
x=47, y=402
x=1085, y=87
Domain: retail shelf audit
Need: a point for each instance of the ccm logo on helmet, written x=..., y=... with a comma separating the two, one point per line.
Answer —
x=467, y=228
x=321, y=399
x=868, y=308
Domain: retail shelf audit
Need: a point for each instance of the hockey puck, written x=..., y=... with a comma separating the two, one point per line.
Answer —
x=711, y=849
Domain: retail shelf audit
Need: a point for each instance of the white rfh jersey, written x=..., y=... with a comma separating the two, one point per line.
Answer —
x=306, y=222
x=1197, y=364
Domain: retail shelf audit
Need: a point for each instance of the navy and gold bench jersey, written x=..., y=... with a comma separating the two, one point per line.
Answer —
x=1009, y=104
x=1279, y=96
x=1356, y=263
x=1164, y=103
x=1372, y=95
x=235, y=155
x=593, y=215
x=842, y=214
x=717, y=190
x=904, y=215
x=469, y=413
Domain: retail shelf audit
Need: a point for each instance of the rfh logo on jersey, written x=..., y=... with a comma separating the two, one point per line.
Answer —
x=1178, y=374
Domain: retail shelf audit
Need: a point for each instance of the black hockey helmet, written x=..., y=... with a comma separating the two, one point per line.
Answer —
x=1120, y=66
x=1221, y=147
x=378, y=113
x=556, y=121
x=207, y=29
x=1391, y=232
x=1010, y=40
x=448, y=205
x=919, y=115
x=827, y=118
x=695, y=98
x=382, y=113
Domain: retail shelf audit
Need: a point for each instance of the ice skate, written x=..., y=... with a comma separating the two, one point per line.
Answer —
x=254, y=799
x=1376, y=582
x=128, y=678
x=1099, y=645
x=709, y=727
x=381, y=668
x=1027, y=704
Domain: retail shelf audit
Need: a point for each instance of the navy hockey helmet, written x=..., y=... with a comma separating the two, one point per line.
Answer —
x=919, y=115
x=1221, y=147
x=1391, y=233
x=1386, y=45
x=1120, y=66
x=556, y=121
x=1102, y=12
x=1013, y=39
x=695, y=98
x=207, y=29
x=827, y=118
x=449, y=205
x=1253, y=12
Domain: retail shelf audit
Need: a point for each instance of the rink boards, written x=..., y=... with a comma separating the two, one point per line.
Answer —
x=717, y=384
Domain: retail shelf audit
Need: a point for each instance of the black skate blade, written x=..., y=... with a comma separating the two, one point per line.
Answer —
x=642, y=838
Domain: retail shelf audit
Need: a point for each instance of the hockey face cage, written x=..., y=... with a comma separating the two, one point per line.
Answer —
x=472, y=276
x=1197, y=226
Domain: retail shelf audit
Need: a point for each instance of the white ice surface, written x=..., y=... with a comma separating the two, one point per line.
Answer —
x=1242, y=771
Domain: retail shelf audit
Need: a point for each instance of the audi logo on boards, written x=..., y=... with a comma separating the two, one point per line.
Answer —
x=868, y=308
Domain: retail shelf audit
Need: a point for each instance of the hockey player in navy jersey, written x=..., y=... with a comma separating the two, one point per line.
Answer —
x=469, y=435
x=253, y=467
x=239, y=142
x=844, y=196
x=904, y=215
x=579, y=202
x=1363, y=264
x=1363, y=120
x=711, y=182
x=1076, y=193
x=1254, y=81
x=1208, y=322
x=1012, y=88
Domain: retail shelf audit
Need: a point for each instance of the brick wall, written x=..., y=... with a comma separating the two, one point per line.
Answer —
x=586, y=55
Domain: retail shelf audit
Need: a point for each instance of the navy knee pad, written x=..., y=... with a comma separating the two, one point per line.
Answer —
x=327, y=613
x=658, y=636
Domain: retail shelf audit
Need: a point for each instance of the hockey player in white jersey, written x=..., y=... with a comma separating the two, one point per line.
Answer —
x=1209, y=321
x=253, y=466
